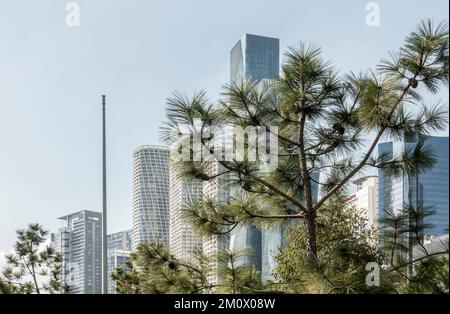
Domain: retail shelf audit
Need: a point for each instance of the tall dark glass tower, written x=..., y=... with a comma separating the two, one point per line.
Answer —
x=254, y=58
x=428, y=188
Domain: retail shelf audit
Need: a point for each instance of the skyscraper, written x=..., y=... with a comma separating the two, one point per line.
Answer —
x=249, y=239
x=428, y=188
x=79, y=241
x=120, y=240
x=150, y=195
x=366, y=198
x=219, y=190
x=119, y=250
x=273, y=239
x=183, y=241
x=257, y=59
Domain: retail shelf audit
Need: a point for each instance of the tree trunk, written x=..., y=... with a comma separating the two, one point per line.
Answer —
x=310, y=215
x=311, y=241
x=33, y=275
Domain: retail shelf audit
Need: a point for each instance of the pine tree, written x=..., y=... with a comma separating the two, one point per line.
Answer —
x=418, y=269
x=32, y=268
x=328, y=123
x=152, y=269
x=323, y=120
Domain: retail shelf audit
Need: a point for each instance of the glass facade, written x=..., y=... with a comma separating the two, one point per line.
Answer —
x=183, y=241
x=249, y=239
x=150, y=195
x=429, y=188
x=219, y=190
x=120, y=240
x=273, y=239
x=119, y=250
x=79, y=241
x=116, y=259
x=254, y=58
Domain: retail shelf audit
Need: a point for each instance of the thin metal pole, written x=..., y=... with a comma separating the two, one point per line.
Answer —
x=104, y=217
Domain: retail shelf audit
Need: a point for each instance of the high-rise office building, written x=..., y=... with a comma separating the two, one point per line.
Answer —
x=273, y=239
x=429, y=188
x=150, y=195
x=366, y=198
x=116, y=259
x=119, y=250
x=219, y=190
x=256, y=59
x=248, y=238
x=431, y=245
x=79, y=241
x=183, y=242
x=120, y=240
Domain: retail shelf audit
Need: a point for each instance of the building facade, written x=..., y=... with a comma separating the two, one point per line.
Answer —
x=219, y=190
x=366, y=199
x=150, y=195
x=120, y=240
x=79, y=241
x=256, y=59
x=183, y=241
x=431, y=245
x=429, y=188
x=119, y=250
x=273, y=239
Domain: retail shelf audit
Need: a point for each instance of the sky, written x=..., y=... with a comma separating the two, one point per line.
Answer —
x=137, y=52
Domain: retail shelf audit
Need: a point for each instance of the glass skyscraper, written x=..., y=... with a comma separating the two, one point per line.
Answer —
x=429, y=188
x=219, y=190
x=120, y=240
x=79, y=241
x=183, y=241
x=119, y=250
x=257, y=59
x=273, y=239
x=150, y=195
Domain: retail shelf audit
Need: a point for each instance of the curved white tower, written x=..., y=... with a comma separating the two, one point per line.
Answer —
x=150, y=195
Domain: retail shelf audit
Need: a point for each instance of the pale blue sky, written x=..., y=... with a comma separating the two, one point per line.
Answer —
x=137, y=52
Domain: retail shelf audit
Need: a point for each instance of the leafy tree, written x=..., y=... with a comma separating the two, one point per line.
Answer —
x=346, y=244
x=32, y=268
